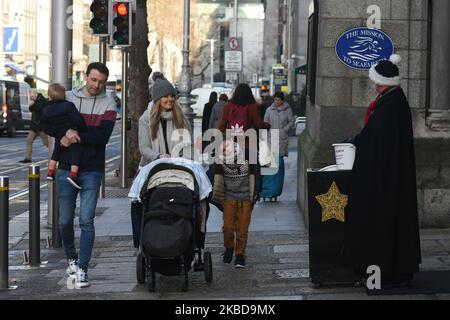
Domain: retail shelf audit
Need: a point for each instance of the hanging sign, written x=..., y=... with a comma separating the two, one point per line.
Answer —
x=360, y=48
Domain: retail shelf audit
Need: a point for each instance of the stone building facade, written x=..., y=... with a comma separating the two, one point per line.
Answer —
x=420, y=33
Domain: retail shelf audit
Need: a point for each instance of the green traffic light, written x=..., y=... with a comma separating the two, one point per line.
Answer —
x=121, y=38
x=98, y=26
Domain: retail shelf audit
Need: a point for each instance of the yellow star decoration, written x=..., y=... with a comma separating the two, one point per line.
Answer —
x=333, y=203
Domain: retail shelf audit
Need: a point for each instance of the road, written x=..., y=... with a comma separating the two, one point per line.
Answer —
x=12, y=150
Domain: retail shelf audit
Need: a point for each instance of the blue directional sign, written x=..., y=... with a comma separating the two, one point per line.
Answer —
x=10, y=39
x=360, y=48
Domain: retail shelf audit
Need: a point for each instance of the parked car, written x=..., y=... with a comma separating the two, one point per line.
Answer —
x=200, y=96
x=15, y=102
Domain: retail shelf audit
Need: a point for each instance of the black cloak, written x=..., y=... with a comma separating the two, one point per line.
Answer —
x=382, y=220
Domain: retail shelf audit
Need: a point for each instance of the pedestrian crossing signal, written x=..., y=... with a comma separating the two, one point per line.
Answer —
x=122, y=24
x=99, y=21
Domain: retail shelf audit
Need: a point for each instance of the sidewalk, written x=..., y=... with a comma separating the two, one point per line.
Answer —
x=277, y=257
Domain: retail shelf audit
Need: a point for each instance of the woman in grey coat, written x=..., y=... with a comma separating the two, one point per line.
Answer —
x=281, y=118
x=158, y=123
x=156, y=126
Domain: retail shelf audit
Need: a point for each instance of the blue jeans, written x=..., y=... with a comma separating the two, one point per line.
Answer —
x=90, y=184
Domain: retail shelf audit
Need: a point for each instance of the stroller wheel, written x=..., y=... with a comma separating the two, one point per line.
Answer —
x=140, y=268
x=208, y=266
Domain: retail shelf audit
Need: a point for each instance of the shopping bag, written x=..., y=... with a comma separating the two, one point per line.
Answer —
x=265, y=157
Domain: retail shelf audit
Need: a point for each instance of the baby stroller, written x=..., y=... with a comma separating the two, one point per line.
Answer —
x=173, y=226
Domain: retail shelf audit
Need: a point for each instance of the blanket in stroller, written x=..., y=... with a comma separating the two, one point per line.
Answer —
x=199, y=171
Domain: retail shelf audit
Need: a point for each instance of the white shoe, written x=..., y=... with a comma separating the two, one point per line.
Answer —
x=72, y=268
x=82, y=279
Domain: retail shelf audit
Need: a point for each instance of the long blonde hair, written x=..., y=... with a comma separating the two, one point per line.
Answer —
x=155, y=116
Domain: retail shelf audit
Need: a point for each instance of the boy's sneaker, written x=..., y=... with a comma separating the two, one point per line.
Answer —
x=72, y=268
x=228, y=255
x=82, y=279
x=74, y=181
x=50, y=176
x=239, y=262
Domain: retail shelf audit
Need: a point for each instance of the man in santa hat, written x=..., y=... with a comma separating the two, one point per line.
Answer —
x=382, y=220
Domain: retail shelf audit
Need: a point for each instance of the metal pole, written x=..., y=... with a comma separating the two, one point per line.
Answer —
x=185, y=83
x=102, y=59
x=235, y=18
x=212, y=61
x=123, y=120
x=2, y=61
x=61, y=72
x=4, y=231
x=34, y=214
x=61, y=42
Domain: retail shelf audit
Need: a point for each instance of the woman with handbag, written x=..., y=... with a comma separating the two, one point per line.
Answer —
x=281, y=118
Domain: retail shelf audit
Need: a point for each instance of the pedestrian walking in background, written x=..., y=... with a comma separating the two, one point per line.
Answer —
x=214, y=121
x=156, y=125
x=242, y=110
x=207, y=110
x=266, y=102
x=280, y=117
x=99, y=114
x=118, y=106
x=216, y=112
x=234, y=193
x=59, y=116
x=382, y=222
x=36, y=109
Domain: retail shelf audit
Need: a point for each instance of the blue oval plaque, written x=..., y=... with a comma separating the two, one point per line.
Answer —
x=360, y=48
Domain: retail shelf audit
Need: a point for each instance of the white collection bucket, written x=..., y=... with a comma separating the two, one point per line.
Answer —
x=345, y=155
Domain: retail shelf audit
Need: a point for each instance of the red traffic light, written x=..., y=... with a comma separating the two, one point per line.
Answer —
x=121, y=8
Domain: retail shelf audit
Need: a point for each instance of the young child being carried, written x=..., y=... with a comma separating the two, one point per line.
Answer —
x=59, y=116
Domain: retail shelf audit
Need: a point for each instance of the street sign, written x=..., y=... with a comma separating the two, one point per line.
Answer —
x=10, y=39
x=280, y=78
x=233, y=54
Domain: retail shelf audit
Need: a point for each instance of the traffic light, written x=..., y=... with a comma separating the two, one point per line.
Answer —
x=122, y=24
x=99, y=22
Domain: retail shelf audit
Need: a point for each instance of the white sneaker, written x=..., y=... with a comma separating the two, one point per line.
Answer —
x=82, y=279
x=72, y=268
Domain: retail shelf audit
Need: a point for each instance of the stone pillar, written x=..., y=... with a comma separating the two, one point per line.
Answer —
x=440, y=56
